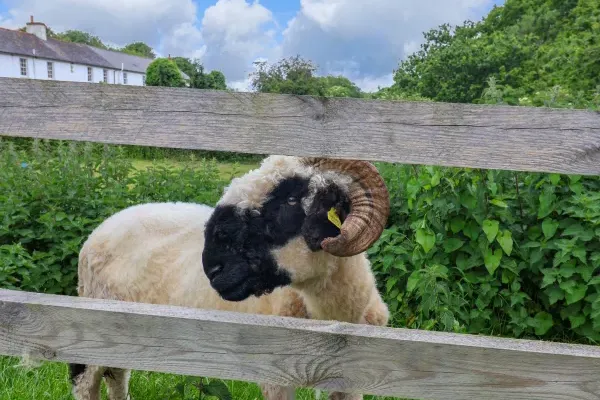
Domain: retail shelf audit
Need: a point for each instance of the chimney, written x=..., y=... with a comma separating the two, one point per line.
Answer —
x=36, y=28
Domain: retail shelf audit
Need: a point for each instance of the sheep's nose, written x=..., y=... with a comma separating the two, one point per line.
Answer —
x=214, y=271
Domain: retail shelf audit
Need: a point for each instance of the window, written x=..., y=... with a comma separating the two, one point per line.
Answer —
x=23, y=62
x=50, y=70
x=72, y=68
x=125, y=78
x=90, y=74
x=144, y=80
x=105, y=79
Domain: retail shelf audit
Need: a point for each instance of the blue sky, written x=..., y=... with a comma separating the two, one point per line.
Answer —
x=361, y=39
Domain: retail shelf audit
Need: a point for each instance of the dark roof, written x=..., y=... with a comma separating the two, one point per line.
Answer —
x=23, y=43
x=130, y=63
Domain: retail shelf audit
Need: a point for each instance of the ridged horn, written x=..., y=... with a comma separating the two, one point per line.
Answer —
x=369, y=206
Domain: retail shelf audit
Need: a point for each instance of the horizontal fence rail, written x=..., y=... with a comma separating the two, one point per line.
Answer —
x=288, y=351
x=462, y=135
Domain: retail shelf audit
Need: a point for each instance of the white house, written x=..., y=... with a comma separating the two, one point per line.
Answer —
x=32, y=54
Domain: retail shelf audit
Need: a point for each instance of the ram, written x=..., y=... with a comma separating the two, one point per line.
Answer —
x=288, y=239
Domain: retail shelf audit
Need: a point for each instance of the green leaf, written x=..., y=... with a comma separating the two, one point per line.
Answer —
x=575, y=292
x=217, y=389
x=554, y=294
x=492, y=260
x=490, y=227
x=549, y=227
x=595, y=281
x=546, y=204
x=554, y=179
x=577, y=230
x=499, y=203
x=506, y=242
x=391, y=282
x=435, y=179
x=388, y=259
x=452, y=244
x=426, y=239
x=542, y=322
x=471, y=230
x=413, y=280
x=576, y=320
x=457, y=224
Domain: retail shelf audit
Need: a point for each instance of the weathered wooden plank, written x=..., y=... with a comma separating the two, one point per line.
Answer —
x=328, y=355
x=512, y=138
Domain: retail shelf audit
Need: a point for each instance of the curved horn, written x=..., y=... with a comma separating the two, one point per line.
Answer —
x=369, y=206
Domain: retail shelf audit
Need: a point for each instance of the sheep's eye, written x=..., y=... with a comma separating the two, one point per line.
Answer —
x=292, y=201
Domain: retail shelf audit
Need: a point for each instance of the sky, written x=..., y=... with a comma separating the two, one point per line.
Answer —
x=363, y=40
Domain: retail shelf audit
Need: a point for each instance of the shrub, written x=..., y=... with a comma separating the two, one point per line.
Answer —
x=494, y=252
x=53, y=196
x=164, y=72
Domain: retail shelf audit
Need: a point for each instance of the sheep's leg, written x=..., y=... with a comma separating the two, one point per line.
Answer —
x=345, y=396
x=86, y=380
x=117, y=381
x=276, y=392
x=375, y=314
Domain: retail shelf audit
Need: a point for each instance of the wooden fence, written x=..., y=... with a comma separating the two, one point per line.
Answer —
x=323, y=354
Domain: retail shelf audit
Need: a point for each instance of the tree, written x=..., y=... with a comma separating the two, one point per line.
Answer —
x=537, y=51
x=139, y=49
x=292, y=75
x=215, y=80
x=198, y=78
x=164, y=72
x=193, y=69
x=296, y=75
x=76, y=36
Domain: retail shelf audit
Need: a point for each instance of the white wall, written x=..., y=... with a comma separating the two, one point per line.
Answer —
x=10, y=67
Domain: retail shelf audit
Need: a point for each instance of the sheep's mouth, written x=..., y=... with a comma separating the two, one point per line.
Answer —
x=250, y=285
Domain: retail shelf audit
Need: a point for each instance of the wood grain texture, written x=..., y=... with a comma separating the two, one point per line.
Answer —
x=511, y=138
x=328, y=355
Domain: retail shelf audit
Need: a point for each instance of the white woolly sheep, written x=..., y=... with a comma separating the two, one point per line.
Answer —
x=268, y=247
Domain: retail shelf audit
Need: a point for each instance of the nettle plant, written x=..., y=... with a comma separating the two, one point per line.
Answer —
x=494, y=252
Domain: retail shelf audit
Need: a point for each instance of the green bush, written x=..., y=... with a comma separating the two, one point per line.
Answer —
x=164, y=72
x=492, y=252
x=52, y=196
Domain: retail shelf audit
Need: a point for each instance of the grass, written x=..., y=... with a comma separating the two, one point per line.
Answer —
x=50, y=380
x=227, y=170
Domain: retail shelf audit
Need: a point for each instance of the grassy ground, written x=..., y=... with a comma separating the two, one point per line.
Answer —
x=50, y=380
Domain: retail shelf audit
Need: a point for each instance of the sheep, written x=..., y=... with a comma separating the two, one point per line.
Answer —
x=271, y=245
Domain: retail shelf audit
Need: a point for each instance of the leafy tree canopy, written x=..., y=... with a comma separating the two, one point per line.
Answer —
x=139, y=49
x=164, y=72
x=295, y=75
x=535, y=50
x=198, y=78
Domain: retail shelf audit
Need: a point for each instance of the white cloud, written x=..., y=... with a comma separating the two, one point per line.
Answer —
x=367, y=38
x=115, y=21
x=236, y=32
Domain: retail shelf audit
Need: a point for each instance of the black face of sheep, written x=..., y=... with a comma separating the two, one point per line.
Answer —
x=250, y=222
x=238, y=258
